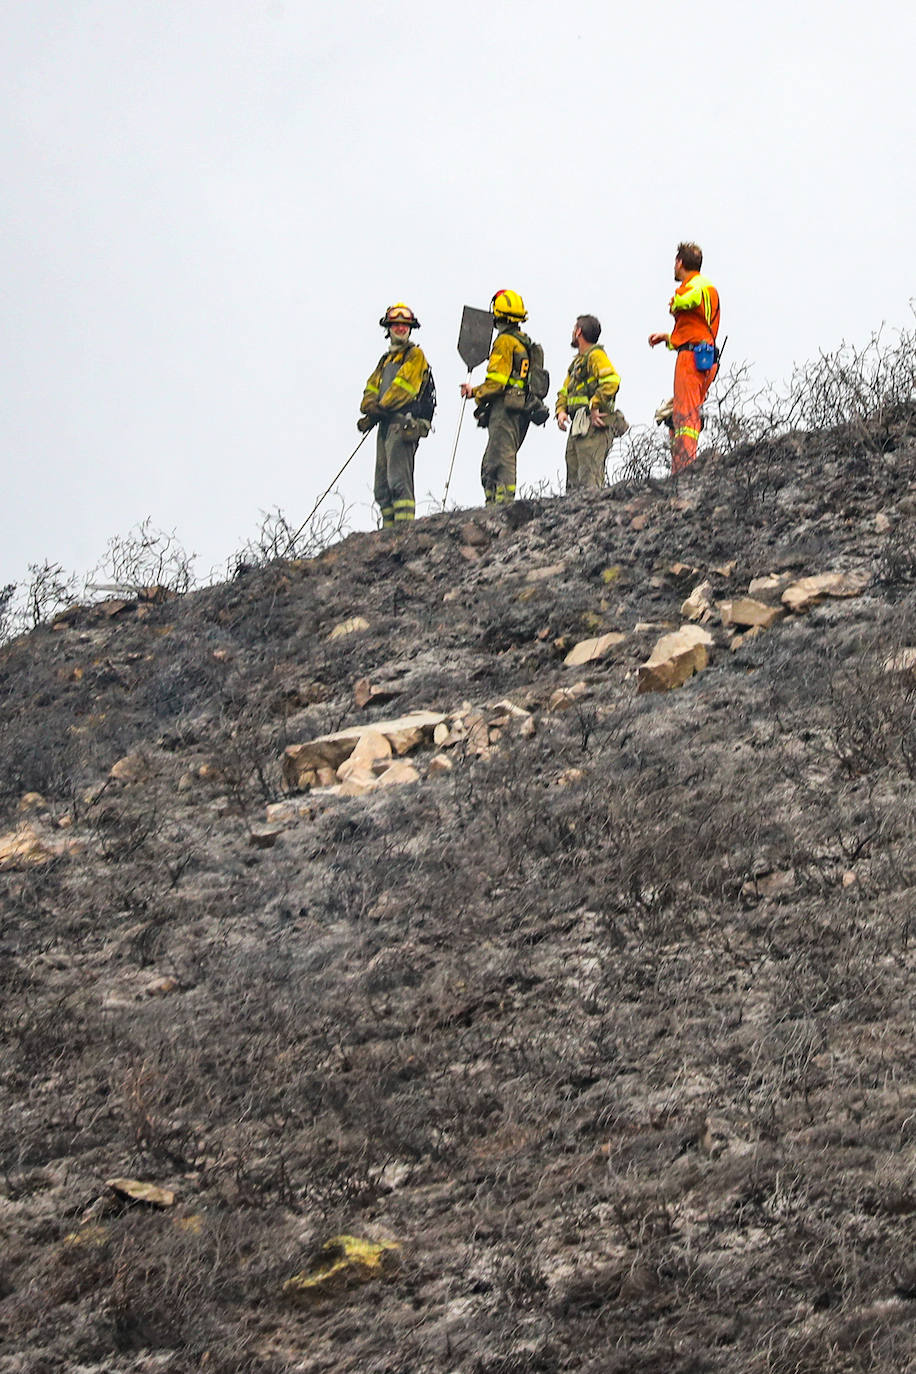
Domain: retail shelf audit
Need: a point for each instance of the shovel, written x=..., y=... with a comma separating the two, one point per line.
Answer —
x=474, y=339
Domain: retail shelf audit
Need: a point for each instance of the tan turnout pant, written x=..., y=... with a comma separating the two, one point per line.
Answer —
x=394, y=462
x=586, y=456
x=506, y=431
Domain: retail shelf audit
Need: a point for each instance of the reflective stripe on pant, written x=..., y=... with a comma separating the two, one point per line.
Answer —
x=690, y=388
x=506, y=430
x=394, y=462
x=586, y=455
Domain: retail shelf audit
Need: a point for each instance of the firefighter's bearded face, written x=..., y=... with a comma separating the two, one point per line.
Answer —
x=400, y=333
x=574, y=341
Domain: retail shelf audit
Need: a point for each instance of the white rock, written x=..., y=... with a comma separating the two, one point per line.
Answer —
x=565, y=698
x=774, y=584
x=588, y=650
x=675, y=658
x=699, y=603
x=809, y=590
x=285, y=812
x=349, y=627
x=398, y=772
x=27, y=847
x=544, y=574
x=370, y=747
x=745, y=611
x=132, y=768
x=359, y=781
x=329, y=751
x=902, y=662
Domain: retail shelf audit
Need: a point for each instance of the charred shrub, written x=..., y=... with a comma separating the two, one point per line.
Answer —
x=179, y=682
x=145, y=557
x=897, y=562
x=872, y=721
x=38, y=760
x=177, y=1284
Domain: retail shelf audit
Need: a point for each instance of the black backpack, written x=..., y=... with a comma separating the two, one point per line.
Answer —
x=424, y=407
x=537, y=380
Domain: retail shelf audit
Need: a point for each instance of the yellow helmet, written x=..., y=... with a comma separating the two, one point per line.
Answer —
x=399, y=314
x=508, y=305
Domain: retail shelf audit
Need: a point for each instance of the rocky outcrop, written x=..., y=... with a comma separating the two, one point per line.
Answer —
x=675, y=658
x=589, y=650
x=30, y=847
x=808, y=591
x=747, y=612
x=699, y=605
x=301, y=762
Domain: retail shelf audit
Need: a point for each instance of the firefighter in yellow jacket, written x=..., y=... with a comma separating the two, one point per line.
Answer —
x=587, y=399
x=501, y=398
x=395, y=386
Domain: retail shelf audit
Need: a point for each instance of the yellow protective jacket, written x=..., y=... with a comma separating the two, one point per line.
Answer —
x=592, y=380
x=396, y=380
x=508, y=365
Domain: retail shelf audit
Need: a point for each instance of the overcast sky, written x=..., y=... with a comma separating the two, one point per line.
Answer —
x=209, y=203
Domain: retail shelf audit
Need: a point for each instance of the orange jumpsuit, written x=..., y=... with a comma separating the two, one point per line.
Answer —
x=695, y=307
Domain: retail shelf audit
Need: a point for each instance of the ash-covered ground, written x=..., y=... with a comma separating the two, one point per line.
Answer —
x=608, y=1027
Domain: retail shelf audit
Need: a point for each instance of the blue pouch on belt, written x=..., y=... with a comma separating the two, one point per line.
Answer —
x=704, y=356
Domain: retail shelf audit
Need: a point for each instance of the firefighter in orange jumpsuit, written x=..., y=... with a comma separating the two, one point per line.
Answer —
x=695, y=307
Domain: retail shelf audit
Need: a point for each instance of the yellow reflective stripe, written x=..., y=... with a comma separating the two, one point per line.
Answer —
x=404, y=503
x=373, y=387
x=698, y=294
x=407, y=386
x=685, y=429
x=578, y=401
x=501, y=377
x=688, y=300
x=516, y=381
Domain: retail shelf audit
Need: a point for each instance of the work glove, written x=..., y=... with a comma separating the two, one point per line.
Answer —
x=365, y=423
x=664, y=415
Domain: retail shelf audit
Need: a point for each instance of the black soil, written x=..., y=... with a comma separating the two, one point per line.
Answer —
x=612, y=1031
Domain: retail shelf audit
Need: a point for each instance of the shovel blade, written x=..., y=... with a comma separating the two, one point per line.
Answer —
x=474, y=336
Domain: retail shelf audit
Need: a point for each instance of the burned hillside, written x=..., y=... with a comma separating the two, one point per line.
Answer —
x=567, y=1026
